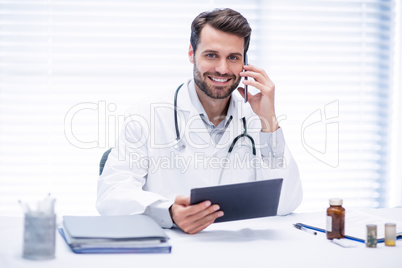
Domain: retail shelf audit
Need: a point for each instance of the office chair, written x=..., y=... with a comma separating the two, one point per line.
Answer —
x=103, y=160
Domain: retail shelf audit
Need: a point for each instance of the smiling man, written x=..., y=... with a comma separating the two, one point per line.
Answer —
x=218, y=62
x=208, y=120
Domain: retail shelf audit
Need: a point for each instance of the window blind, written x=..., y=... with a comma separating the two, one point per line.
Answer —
x=332, y=62
x=69, y=69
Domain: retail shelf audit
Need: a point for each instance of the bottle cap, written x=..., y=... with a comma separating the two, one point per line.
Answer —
x=335, y=202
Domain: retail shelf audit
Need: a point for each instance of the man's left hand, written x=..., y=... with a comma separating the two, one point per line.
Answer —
x=263, y=102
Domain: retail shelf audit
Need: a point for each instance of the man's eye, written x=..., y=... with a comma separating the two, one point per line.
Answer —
x=233, y=58
x=211, y=56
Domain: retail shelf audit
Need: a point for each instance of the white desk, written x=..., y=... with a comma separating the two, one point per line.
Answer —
x=265, y=242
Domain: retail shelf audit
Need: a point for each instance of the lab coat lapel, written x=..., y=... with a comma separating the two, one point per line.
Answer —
x=193, y=129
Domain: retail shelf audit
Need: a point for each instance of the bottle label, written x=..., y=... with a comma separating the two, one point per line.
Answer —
x=329, y=224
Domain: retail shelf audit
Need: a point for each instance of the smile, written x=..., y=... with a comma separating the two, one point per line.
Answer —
x=220, y=80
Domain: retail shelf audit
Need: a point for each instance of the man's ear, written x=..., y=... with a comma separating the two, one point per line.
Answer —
x=191, y=54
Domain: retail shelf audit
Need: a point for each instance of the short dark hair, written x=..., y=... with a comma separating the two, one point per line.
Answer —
x=226, y=20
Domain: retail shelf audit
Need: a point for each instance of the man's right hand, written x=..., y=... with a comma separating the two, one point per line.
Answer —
x=193, y=218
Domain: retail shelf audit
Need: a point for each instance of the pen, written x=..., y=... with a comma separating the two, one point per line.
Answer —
x=300, y=227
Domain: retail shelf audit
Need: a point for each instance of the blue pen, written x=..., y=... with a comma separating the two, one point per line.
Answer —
x=298, y=226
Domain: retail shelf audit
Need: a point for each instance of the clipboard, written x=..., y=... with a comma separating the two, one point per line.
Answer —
x=242, y=200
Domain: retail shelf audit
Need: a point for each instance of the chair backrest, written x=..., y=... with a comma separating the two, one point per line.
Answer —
x=103, y=160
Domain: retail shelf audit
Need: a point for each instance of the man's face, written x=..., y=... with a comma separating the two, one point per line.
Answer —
x=218, y=62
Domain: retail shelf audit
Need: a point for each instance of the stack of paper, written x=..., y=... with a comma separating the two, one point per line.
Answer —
x=114, y=234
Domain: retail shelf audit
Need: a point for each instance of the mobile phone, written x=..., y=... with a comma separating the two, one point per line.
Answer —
x=245, y=78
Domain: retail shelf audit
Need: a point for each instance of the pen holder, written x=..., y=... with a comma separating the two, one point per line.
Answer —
x=39, y=237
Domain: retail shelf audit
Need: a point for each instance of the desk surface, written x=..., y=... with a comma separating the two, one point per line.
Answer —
x=264, y=242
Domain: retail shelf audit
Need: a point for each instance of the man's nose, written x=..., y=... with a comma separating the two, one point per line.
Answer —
x=222, y=67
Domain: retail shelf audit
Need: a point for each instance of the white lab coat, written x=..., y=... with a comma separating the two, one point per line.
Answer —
x=144, y=173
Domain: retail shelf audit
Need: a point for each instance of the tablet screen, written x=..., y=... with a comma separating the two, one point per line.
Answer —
x=242, y=200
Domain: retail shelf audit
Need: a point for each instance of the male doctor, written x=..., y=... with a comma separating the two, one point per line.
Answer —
x=157, y=161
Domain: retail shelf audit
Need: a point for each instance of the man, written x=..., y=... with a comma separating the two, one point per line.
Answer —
x=146, y=174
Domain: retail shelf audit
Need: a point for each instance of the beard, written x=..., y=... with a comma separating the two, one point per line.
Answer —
x=215, y=92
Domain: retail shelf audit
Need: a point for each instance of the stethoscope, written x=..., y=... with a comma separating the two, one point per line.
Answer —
x=181, y=146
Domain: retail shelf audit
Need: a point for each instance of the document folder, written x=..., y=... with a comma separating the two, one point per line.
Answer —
x=114, y=234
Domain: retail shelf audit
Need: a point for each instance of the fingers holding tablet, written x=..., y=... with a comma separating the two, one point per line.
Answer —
x=193, y=218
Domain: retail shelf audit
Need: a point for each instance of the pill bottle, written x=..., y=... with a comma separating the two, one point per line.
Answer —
x=390, y=234
x=371, y=240
x=335, y=219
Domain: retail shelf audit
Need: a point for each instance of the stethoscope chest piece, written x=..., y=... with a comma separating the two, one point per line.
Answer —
x=179, y=145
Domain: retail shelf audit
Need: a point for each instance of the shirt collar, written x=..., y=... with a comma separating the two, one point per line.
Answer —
x=200, y=109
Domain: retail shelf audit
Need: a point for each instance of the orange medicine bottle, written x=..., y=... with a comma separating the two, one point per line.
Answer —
x=335, y=219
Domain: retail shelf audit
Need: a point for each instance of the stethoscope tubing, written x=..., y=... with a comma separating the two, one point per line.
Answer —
x=178, y=138
x=180, y=146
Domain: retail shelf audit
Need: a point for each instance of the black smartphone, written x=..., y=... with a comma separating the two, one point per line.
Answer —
x=245, y=78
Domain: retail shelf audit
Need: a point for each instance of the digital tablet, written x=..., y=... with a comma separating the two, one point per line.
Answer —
x=242, y=200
